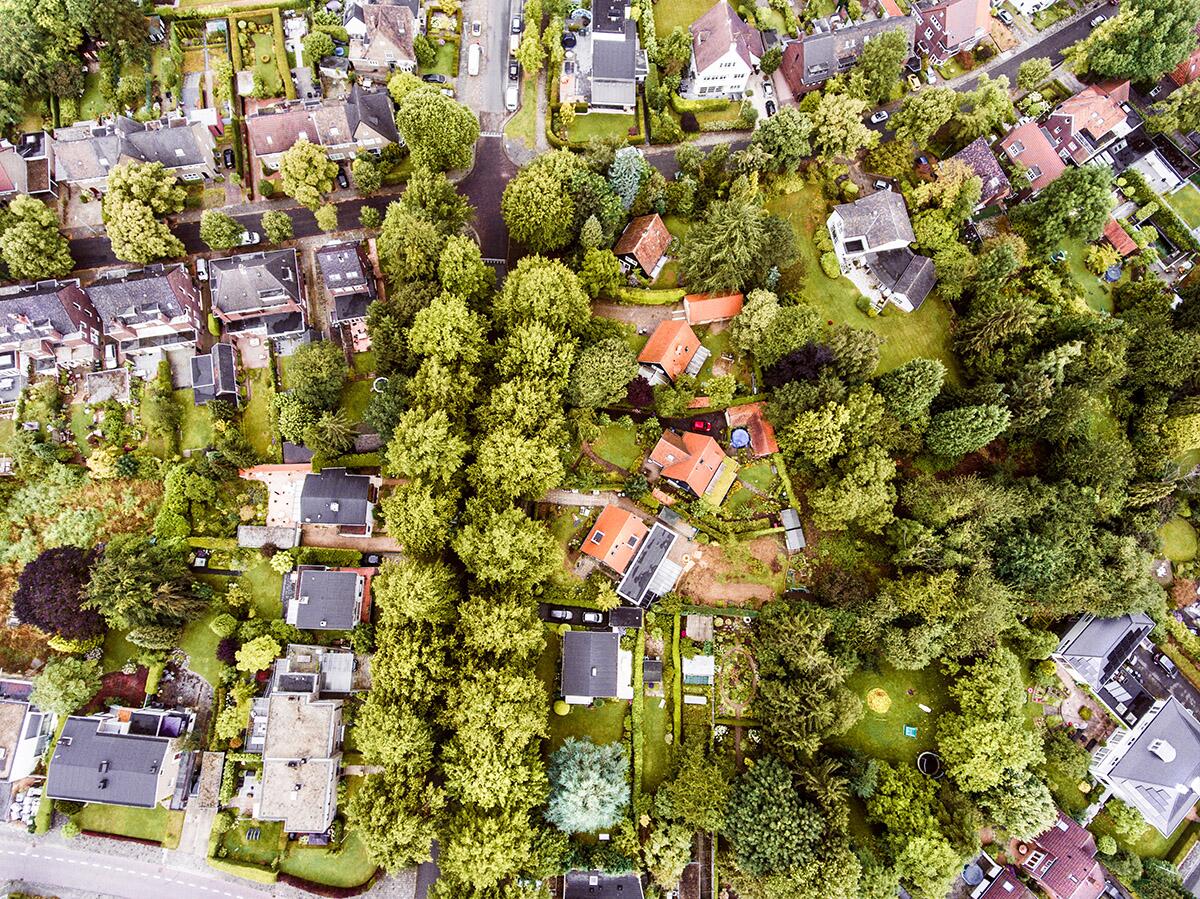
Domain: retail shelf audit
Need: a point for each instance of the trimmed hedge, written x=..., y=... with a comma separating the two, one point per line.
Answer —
x=639, y=701
x=243, y=869
x=677, y=684
x=172, y=13
x=350, y=460
x=680, y=104
x=1139, y=190
x=661, y=297
x=334, y=558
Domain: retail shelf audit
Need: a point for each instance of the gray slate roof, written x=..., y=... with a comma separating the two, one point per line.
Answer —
x=343, y=269
x=1097, y=647
x=242, y=283
x=139, y=296
x=879, y=218
x=174, y=147
x=131, y=766
x=1168, y=787
x=903, y=271
x=214, y=375
x=616, y=59
x=589, y=664
x=373, y=108
x=43, y=304
x=323, y=600
x=335, y=497
x=598, y=885
x=636, y=586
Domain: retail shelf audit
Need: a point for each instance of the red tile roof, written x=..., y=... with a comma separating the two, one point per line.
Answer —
x=702, y=308
x=1007, y=886
x=1119, y=238
x=752, y=417
x=1063, y=861
x=615, y=537
x=646, y=239
x=1188, y=70
x=689, y=458
x=1095, y=110
x=1035, y=151
x=275, y=132
x=891, y=7
x=671, y=346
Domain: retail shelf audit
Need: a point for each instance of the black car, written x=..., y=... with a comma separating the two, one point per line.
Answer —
x=343, y=181
x=434, y=78
x=514, y=70
x=770, y=106
x=228, y=157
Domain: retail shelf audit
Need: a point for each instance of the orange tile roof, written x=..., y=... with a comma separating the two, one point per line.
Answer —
x=645, y=238
x=689, y=458
x=752, y=417
x=1036, y=151
x=1119, y=238
x=671, y=347
x=702, y=308
x=891, y=7
x=615, y=537
x=1188, y=70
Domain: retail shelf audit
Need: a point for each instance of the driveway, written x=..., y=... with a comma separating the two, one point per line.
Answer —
x=1160, y=683
x=314, y=535
x=646, y=318
x=190, y=94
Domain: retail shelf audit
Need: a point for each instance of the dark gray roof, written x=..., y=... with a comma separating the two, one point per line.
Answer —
x=598, y=885
x=43, y=303
x=903, y=271
x=344, y=270
x=335, y=497
x=1166, y=785
x=652, y=671
x=625, y=616
x=589, y=664
x=214, y=375
x=350, y=308
x=139, y=296
x=880, y=217
x=323, y=600
x=608, y=16
x=115, y=769
x=616, y=60
x=374, y=108
x=254, y=280
x=1097, y=647
x=635, y=586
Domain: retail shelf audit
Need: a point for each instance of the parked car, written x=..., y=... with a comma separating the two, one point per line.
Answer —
x=930, y=78
x=228, y=157
x=1165, y=663
x=511, y=98
x=342, y=180
x=913, y=64
x=474, y=55
x=201, y=269
x=561, y=614
x=768, y=88
x=701, y=426
x=434, y=78
x=476, y=28
x=592, y=618
x=880, y=184
x=1095, y=23
x=1005, y=16
x=914, y=82
x=517, y=24
x=249, y=238
x=880, y=116
x=514, y=70
x=771, y=108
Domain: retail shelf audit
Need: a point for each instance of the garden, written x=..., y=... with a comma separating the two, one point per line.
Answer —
x=154, y=824
x=258, y=47
x=736, y=669
x=895, y=726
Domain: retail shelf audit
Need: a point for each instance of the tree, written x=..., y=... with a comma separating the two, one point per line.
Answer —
x=396, y=818
x=148, y=183
x=423, y=515
x=258, y=654
x=30, y=244
x=508, y=548
x=367, y=176
x=882, y=64
x=426, y=445
x=1179, y=112
x=1142, y=42
x=140, y=582
x=425, y=52
x=370, y=218
x=530, y=53
x=317, y=45
x=537, y=206
x=327, y=217
x=601, y=273
x=1128, y=822
x=909, y=390
x=331, y=435
x=65, y=684
x=448, y=330
x=462, y=271
x=1023, y=807
x=960, y=431
x=50, y=594
x=698, y=789
x=771, y=827
x=509, y=464
x=320, y=374
x=786, y=136
x=1076, y=204
x=735, y=246
x=602, y=372
x=838, y=128
x=306, y=173
x=667, y=852
x=440, y=132
x=923, y=113
x=220, y=231
x=986, y=109
x=1034, y=72
x=588, y=785
x=769, y=63
x=135, y=234
x=277, y=226
x=541, y=290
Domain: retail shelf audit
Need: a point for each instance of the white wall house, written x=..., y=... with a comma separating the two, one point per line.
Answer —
x=725, y=53
x=874, y=224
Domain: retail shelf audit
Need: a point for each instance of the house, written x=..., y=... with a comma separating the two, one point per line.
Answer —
x=704, y=309
x=999, y=882
x=258, y=293
x=694, y=463
x=1118, y=238
x=905, y=278
x=834, y=47
x=317, y=598
x=1062, y=861
x=598, y=885
x=725, y=53
x=751, y=420
x=85, y=152
x=348, y=277
x=654, y=570
x=673, y=349
x=947, y=27
x=1085, y=124
x=302, y=757
x=1154, y=765
x=25, y=732
x=214, y=376
x=595, y=667
x=615, y=537
x=643, y=245
x=148, y=310
x=1188, y=70
x=335, y=498
x=129, y=757
x=361, y=121
x=980, y=159
x=49, y=325
x=381, y=37
x=332, y=671
x=1030, y=146
x=618, y=63
x=1094, y=652
x=873, y=224
x=26, y=167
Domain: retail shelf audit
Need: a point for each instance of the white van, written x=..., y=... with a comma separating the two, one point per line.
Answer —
x=510, y=98
x=474, y=52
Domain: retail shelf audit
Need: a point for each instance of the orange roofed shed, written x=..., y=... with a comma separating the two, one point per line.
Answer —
x=702, y=308
x=671, y=348
x=615, y=537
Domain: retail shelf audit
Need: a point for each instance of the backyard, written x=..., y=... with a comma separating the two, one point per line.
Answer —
x=680, y=12
x=156, y=824
x=356, y=395
x=603, y=725
x=349, y=868
x=195, y=426
x=600, y=125
x=1096, y=293
x=893, y=700
x=257, y=418
x=1186, y=203
x=656, y=754
x=618, y=444
x=261, y=851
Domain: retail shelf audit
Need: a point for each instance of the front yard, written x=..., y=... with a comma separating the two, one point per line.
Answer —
x=523, y=126
x=601, y=125
x=237, y=846
x=156, y=824
x=349, y=868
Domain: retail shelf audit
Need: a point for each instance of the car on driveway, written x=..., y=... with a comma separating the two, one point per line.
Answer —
x=770, y=108
x=474, y=56
x=880, y=116
x=930, y=78
x=1096, y=22
x=342, y=180
x=434, y=78
x=1005, y=16
x=1165, y=663
x=249, y=239
x=592, y=618
x=476, y=28
x=880, y=184
x=914, y=82
x=228, y=157
x=201, y=269
x=561, y=614
x=768, y=88
x=701, y=426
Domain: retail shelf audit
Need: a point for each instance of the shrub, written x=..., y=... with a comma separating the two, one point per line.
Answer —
x=71, y=829
x=689, y=122
x=829, y=265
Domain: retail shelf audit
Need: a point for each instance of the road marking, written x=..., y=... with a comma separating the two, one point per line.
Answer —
x=491, y=134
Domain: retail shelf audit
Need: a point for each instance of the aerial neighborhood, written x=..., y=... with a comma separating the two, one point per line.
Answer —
x=626, y=449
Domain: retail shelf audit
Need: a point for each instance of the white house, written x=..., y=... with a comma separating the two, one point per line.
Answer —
x=725, y=53
x=1029, y=7
x=873, y=224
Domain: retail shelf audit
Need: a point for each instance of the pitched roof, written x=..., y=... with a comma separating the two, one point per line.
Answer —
x=1007, y=886
x=616, y=60
x=1080, y=121
x=652, y=573
x=1097, y=647
x=1030, y=146
x=689, y=458
x=253, y=281
x=1069, y=867
x=214, y=375
x=12, y=730
x=345, y=270
x=373, y=109
x=589, y=664
x=878, y=218
x=1119, y=238
x=1162, y=766
x=964, y=18
x=702, y=308
x=85, y=153
x=114, y=769
x=646, y=239
x=143, y=295
x=812, y=59
x=322, y=598
x=335, y=497
x=391, y=27
x=276, y=130
x=615, y=537
x=904, y=272
x=719, y=29
x=982, y=161
x=671, y=347
x=752, y=417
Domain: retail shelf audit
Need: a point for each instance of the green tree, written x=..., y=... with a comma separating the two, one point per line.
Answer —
x=1034, y=72
x=770, y=61
x=306, y=174
x=448, y=330
x=541, y=290
x=602, y=372
x=423, y=515
x=1074, y=205
x=257, y=654
x=396, y=818
x=537, y=206
x=1142, y=42
x=319, y=373
x=786, y=136
x=601, y=273
x=140, y=582
x=588, y=785
x=736, y=245
x=838, y=128
x=367, y=176
x=294, y=417
x=331, y=435
x=462, y=271
x=65, y=684
x=923, y=113
x=960, y=431
x=1128, y=822
x=508, y=548
x=327, y=217
x=317, y=45
x=135, y=234
x=530, y=53
x=148, y=183
x=909, y=390
x=30, y=242
x=667, y=852
x=882, y=64
x=440, y=132
x=277, y=226
x=985, y=109
x=220, y=231
x=509, y=464
x=427, y=445
x=697, y=790
x=1179, y=112
x=770, y=826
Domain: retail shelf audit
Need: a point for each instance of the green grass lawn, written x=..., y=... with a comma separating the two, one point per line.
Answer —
x=523, y=125
x=758, y=474
x=8, y=430
x=717, y=345
x=257, y=852
x=200, y=643
x=681, y=12
x=117, y=651
x=618, y=444
x=263, y=45
x=257, y=421
x=363, y=363
x=447, y=60
x=1047, y=17
x=349, y=868
x=656, y=754
x=907, y=335
x=92, y=103
x=287, y=375
x=882, y=735
x=195, y=428
x=1186, y=203
x=563, y=527
x=81, y=424
x=355, y=397
x=264, y=585
x=602, y=725
x=601, y=124
x=1178, y=539
x=156, y=823
x=1151, y=844
x=1096, y=292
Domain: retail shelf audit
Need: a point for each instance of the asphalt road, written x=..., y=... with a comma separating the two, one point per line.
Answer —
x=484, y=187
x=44, y=864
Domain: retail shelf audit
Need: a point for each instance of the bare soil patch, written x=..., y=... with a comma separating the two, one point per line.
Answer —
x=749, y=579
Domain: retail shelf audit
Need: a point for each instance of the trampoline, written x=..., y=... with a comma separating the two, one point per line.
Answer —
x=740, y=438
x=930, y=764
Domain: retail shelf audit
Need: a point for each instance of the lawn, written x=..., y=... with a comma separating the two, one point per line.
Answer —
x=195, y=428
x=1047, y=17
x=363, y=363
x=617, y=444
x=1096, y=293
x=758, y=474
x=1186, y=203
x=1178, y=539
x=257, y=420
x=268, y=70
x=523, y=125
x=8, y=430
x=349, y=868
x=656, y=754
x=563, y=526
x=200, y=643
x=265, y=586
x=718, y=345
x=81, y=426
x=92, y=104
x=1151, y=844
x=907, y=335
x=882, y=735
x=257, y=852
x=117, y=651
x=601, y=125
x=447, y=60
x=602, y=725
x=681, y=12
x=157, y=824
x=355, y=397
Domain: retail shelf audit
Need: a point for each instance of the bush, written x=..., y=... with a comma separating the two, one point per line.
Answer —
x=1085, y=713
x=71, y=829
x=223, y=625
x=334, y=558
x=829, y=265
x=689, y=122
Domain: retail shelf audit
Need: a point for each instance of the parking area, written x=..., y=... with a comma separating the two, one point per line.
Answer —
x=1159, y=682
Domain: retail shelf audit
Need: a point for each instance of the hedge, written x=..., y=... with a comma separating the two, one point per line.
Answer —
x=680, y=104
x=281, y=57
x=153, y=676
x=350, y=460
x=639, y=700
x=227, y=543
x=244, y=869
x=661, y=297
x=1139, y=190
x=677, y=684
x=172, y=13
x=335, y=558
